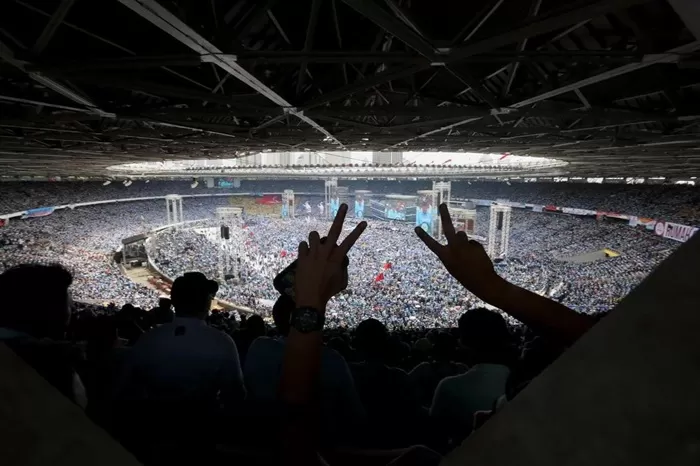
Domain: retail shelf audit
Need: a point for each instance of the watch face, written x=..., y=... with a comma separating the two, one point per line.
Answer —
x=307, y=320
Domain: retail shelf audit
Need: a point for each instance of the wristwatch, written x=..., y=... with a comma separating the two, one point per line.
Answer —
x=307, y=320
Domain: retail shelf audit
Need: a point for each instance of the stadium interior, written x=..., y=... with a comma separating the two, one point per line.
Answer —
x=494, y=187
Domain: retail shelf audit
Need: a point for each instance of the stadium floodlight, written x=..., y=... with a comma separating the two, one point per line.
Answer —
x=194, y=184
x=128, y=183
x=107, y=182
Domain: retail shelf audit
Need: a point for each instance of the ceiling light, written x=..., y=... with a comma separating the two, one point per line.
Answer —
x=106, y=182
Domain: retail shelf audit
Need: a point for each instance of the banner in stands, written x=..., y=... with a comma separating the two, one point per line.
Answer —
x=551, y=208
x=3, y=222
x=574, y=211
x=612, y=215
x=269, y=199
x=537, y=208
x=40, y=212
x=646, y=222
x=675, y=231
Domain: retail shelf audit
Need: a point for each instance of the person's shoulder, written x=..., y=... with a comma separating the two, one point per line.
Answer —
x=420, y=368
x=333, y=359
x=398, y=374
x=461, y=368
x=162, y=329
x=265, y=343
x=452, y=381
x=329, y=354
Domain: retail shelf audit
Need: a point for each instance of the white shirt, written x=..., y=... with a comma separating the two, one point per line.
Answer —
x=457, y=398
x=183, y=360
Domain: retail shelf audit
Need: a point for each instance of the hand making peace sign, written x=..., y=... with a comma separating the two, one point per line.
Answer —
x=465, y=259
x=320, y=265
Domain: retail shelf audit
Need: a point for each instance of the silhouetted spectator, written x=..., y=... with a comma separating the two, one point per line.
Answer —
x=179, y=374
x=340, y=408
x=428, y=374
x=387, y=393
x=163, y=314
x=485, y=335
x=32, y=329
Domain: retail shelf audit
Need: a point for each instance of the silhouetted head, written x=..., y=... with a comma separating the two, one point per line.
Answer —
x=192, y=293
x=34, y=299
x=371, y=339
x=485, y=334
x=255, y=326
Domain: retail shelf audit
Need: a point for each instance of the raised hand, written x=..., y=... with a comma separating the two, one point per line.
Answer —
x=320, y=271
x=465, y=259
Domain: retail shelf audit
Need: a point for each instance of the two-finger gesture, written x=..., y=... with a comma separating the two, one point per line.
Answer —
x=465, y=259
x=320, y=264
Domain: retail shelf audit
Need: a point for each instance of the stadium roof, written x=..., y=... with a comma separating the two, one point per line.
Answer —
x=610, y=86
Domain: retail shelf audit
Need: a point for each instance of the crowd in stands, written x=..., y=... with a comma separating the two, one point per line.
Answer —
x=184, y=385
x=396, y=282
x=409, y=356
x=407, y=294
x=673, y=203
x=84, y=241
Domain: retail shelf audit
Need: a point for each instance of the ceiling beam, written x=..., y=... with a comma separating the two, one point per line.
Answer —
x=533, y=27
x=102, y=39
x=66, y=65
x=411, y=38
x=52, y=26
x=477, y=21
x=670, y=56
x=308, y=42
x=534, y=11
x=253, y=15
x=385, y=20
x=360, y=56
x=8, y=55
x=154, y=88
x=541, y=25
x=170, y=24
x=40, y=103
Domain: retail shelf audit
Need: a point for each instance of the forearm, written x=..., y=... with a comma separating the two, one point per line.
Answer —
x=300, y=370
x=537, y=312
x=302, y=360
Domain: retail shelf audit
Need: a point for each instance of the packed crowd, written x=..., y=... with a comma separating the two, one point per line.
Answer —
x=84, y=241
x=392, y=280
x=365, y=395
x=679, y=204
x=396, y=281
